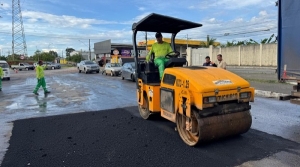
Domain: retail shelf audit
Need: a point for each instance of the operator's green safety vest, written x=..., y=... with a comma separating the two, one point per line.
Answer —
x=159, y=50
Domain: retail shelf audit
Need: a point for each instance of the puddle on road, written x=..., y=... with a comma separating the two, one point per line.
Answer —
x=31, y=102
x=64, y=94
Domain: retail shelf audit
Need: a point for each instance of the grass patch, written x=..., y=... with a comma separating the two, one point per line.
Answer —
x=67, y=66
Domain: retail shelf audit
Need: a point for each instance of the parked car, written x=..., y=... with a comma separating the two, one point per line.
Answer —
x=113, y=69
x=128, y=71
x=52, y=66
x=5, y=68
x=22, y=66
x=88, y=66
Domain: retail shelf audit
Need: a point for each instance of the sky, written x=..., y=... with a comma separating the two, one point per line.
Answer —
x=60, y=24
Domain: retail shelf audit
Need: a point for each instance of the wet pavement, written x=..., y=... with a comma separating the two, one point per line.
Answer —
x=72, y=92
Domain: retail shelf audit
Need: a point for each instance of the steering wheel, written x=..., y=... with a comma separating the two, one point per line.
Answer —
x=173, y=54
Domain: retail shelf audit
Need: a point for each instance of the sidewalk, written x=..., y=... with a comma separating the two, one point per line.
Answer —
x=264, y=80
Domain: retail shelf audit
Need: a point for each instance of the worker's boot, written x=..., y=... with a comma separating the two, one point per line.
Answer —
x=36, y=93
x=46, y=92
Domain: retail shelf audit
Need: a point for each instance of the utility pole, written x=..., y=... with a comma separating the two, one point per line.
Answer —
x=187, y=41
x=90, y=49
x=146, y=41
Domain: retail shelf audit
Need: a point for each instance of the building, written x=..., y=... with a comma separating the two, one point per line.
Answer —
x=106, y=51
x=84, y=54
x=181, y=44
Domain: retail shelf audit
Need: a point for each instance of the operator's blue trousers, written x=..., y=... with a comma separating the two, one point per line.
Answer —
x=161, y=62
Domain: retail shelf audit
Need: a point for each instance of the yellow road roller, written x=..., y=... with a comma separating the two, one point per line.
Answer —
x=206, y=103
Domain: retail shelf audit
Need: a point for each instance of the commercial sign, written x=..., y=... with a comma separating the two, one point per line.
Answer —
x=125, y=53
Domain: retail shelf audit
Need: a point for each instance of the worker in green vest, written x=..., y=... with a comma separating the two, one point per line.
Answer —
x=160, y=50
x=40, y=78
x=1, y=77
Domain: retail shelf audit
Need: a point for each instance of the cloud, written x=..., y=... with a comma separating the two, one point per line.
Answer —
x=142, y=8
x=43, y=24
x=62, y=21
x=238, y=20
x=192, y=7
x=230, y=4
x=136, y=19
x=263, y=13
x=4, y=6
x=212, y=20
x=257, y=27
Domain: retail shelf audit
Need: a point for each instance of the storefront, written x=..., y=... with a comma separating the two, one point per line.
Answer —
x=116, y=53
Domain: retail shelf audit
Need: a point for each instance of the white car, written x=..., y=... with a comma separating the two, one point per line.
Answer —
x=113, y=69
x=88, y=66
x=5, y=68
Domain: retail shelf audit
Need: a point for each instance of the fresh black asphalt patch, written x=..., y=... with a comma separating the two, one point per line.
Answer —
x=117, y=137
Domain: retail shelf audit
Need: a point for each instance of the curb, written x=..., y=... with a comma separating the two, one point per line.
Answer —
x=269, y=94
x=252, y=67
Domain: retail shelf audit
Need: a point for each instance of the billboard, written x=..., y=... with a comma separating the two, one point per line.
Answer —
x=102, y=47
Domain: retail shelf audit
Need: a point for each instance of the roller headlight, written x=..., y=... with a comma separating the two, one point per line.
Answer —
x=211, y=99
x=245, y=95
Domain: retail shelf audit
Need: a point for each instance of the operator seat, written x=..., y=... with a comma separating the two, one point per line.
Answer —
x=176, y=62
x=149, y=72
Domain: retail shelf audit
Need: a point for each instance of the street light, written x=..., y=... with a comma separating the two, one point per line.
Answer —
x=49, y=48
x=187, y=40
x=37, y=53
x=88, y=47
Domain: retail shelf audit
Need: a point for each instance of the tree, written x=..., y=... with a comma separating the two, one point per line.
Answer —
x=228, y=44
x=75, y=58
x=13, y=57
x=53, y=53
x=38, y=55
x=250, y=42
x=68, y=51
x=266, y=40
x=253, y=42
x=209, y=41
x=3, y=58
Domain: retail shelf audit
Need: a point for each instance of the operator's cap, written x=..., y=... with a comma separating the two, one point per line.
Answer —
x=158, y=35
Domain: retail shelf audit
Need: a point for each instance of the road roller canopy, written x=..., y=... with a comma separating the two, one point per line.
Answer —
x=165, y=24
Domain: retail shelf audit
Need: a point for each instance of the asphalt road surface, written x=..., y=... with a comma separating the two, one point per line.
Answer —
x=92, y=120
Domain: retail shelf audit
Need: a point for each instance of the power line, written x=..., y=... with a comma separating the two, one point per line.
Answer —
x=56, y=36
x=241, y=33
x=247, y=25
